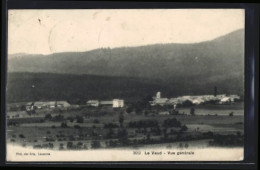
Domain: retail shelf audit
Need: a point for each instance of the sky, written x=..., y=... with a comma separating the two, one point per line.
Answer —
x=53, y=31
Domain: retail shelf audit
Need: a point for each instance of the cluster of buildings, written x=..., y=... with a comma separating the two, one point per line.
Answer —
x=119, y=103
x=46, y=104
x=30, y=106
x=116, y=103
x=221, y=99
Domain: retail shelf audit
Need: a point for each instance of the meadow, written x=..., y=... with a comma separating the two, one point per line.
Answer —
x=81, y=128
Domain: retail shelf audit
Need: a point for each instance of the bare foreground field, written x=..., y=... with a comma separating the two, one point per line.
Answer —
x=101, y=128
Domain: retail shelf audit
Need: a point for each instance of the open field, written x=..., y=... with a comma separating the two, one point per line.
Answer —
x=236, y=108
x=81, y=128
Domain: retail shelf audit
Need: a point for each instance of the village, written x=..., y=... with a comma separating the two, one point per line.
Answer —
x=120, y=103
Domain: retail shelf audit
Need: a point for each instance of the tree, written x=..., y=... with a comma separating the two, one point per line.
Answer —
x=48, y=117
x=138, y=110
x=123, y=137
x=69, y=145
x=231, y=114
x=51, y=145
x=110, y=133
x=85, y=146
x=96, y=121
x=165, y=135
x=80, y=119
x=61, y=146
x=64, y=125
x=79, y=145
x=192, y=111
x=71, y=119
x=187, y=103
x=121, y=119
x=148, y=137
x=215, y=91
x=95, y=144
x=129, y=109
x=173, y=122
x=184, y=128
x=21, y=136
x=77, y=127
x=58, y=118
x=145, y=103
x=238, y=133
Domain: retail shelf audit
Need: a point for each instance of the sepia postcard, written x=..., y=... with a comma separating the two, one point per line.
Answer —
x=125, y=85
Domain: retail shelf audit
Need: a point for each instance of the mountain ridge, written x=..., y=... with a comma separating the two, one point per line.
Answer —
x=180, y=69
x=29, y=54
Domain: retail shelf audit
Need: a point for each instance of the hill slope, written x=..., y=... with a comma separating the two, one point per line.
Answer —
x=223, y=55
x=174, y=69
x=75, y=88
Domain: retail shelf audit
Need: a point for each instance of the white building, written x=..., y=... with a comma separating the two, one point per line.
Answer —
x=29, y=106
x=234, y=97
x=94, y=103
x=160, y=101
x=225, y=100
x=118, y=103
x=51, y=104
x=63, y=104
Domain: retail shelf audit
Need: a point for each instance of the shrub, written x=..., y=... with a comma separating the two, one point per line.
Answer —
x=50, y=139
x=69, y=145
x=37, y=146
x=64, y=125
x=143, y=124
x=184, y=128
x=77, y=127
x=79, y=145
x=51, y=145
x=173, y=122
x=95, y=144
x=58, y=118
x=96, y=121
x=85, y=146
x=21, y=136
x=79, y=119
x=61, y=146
x=192, y=111
x=208, y=134
x=71, y=119
x=48, y=117
x=129, y=109
x=71, y=138
x=111, y=125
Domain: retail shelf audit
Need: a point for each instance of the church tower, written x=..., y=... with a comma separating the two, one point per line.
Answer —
x=158, y=95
